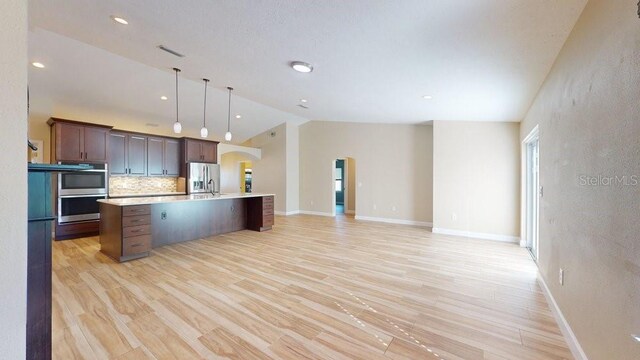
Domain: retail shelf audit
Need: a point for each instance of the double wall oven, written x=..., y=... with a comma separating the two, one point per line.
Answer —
x=79, y=191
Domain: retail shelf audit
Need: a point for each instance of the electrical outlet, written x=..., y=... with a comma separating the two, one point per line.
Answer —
x=561, y=276
x=393, y=208
x=163, y=215
x=375, y=207
x=311, y=202
x=454, y=216
x=359, y=184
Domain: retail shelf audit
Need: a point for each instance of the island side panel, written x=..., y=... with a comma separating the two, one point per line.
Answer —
x=111, y=230
x=175, y=222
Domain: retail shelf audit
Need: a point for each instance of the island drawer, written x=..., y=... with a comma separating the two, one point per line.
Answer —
x=136, y=210
x=136, y=220
x=267, y=200
x=136, y=245
x=136, y=230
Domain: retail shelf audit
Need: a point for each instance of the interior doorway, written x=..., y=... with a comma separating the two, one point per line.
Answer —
x=246, y=177
x=533, y=190
x=339, y=186
x=343, y=186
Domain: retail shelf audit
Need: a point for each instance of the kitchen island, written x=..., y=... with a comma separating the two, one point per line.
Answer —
x=131, y=227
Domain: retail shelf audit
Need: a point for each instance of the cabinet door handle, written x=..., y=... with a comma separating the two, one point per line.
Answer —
x=136, y=245
x=85, y=156
x=81, y=155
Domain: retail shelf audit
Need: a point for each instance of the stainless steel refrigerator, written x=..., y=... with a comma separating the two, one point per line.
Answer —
x=203, y=178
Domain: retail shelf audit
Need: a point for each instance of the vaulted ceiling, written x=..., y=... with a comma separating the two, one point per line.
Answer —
x=373, y=60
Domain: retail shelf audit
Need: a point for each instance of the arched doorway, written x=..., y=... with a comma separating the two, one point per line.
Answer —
x=234, y=168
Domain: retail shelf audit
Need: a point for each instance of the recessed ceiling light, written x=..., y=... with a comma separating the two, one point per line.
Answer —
x=301, y=66
x=636, y=337
x=303, y=100
x=427, y=97
x=38, y=65
x=163, y=97
x=119, y=20
x=238, y=116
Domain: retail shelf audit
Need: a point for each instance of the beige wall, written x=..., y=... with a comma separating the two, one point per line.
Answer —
x=13, y=183
x=350, y=194
x=270, y=172
x=293, y=167
x=588, y=112
x=476, y=181
x=39, y=130
x=393, y=168
x=277, y=171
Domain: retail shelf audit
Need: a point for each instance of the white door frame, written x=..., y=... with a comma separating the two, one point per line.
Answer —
x=531, y=193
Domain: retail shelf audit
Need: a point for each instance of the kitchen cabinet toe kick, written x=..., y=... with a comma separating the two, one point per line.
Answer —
x=129, y=232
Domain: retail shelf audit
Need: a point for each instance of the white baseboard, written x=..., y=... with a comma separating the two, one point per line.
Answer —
x=483, y=236
x=287, y=213
x=569, y=336
x=350, y=212
x=394, y=221
x=317, y=213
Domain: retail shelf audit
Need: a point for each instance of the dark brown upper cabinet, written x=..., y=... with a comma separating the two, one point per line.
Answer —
x=163, y=157
x=74, y=141
x=127, y=154
x=200, y=151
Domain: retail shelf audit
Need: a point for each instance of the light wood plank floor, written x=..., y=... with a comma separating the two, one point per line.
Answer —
x=312, y=288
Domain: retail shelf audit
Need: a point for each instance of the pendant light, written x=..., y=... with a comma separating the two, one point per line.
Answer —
x=204, y=132
x=228, y=135
x=177, y=127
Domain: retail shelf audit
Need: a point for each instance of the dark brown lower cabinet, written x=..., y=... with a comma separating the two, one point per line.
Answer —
x=76, y=230
x=125, y=232
x=260, y=211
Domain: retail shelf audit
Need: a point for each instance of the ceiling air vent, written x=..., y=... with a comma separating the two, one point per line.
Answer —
x=303, y=106
x=172, y=52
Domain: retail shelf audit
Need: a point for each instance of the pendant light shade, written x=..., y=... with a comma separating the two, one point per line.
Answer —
x=204, y=132
x=177, y=127
x=228, y=135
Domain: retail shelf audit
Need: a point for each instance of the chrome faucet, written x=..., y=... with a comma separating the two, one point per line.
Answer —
x=212, y=188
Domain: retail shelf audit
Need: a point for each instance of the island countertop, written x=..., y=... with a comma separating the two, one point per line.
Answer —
x=177, y=198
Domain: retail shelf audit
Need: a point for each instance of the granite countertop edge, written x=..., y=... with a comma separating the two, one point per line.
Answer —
x=149, y=200
x=135, y=195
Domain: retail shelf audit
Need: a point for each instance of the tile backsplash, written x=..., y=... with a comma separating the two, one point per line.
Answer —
x=142, y=185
